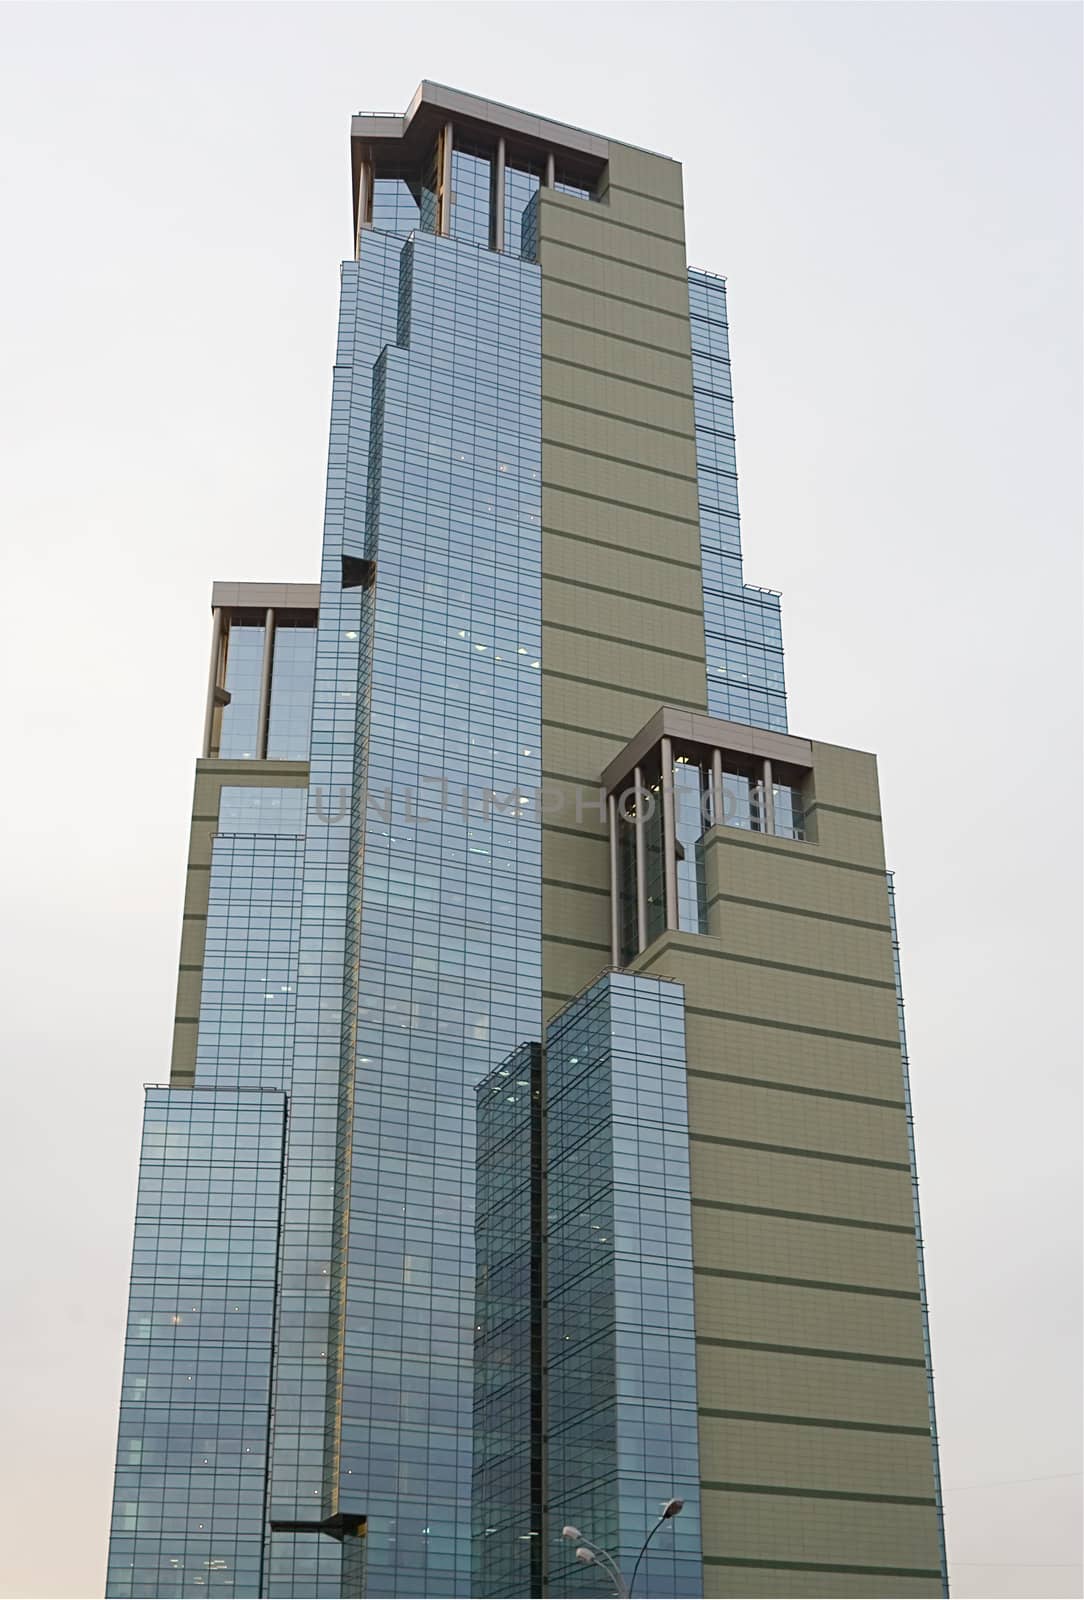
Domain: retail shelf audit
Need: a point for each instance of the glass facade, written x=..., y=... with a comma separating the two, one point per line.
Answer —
x=508, y=1230
x=396, y=1259
x=290, y=712
x=741, y=623
x=621, y=1352
x=244, y=664
x=247, y=1004
x=191, y=1479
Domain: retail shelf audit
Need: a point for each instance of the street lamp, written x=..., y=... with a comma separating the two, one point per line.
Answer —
x=587, y=1551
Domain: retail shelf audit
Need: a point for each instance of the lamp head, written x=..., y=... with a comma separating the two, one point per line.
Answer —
x=672, y=1507
x=569, y=1532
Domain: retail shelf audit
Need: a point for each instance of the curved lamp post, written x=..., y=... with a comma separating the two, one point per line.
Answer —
x=587, y=1551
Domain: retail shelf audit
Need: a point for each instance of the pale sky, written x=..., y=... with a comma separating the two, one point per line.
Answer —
x=893, y=192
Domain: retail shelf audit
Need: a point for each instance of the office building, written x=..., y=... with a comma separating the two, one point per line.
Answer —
x=536, y=1145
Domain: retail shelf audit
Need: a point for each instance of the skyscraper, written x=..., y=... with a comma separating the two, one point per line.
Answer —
x=537, y=1142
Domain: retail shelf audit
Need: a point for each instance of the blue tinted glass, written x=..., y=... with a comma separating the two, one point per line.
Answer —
x=290, y=715
x=244, y=663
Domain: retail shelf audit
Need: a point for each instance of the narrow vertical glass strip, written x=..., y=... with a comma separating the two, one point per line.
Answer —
x=918, y=1238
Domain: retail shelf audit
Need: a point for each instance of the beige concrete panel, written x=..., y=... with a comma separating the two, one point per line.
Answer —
x=722, y=1581
x=788, y=995
x=643, y=403
x=584, y=912
x=825, y=1064
x=638, y=620
x=193, y=940
x=565, y=467
x=610, y=231
x=566, y=750
x=801, y=1121
x=575, y=803
x=578, y=703
x=843, y=777
x=810, y=1386
x=640, y=324
x=595, y=524
x=802, y=1183
x=783, y=1247
x=594, y=263
x=801, y=1456
x=818, y=1319
x=567, y=969
x=571, y=562
x=633, y=359
x=649, y=672
x=759, y=868
x=189, y=987
x=645, y=173
x=806, y=941
x=643, y=216
x=649, y=448
x=847, y=838
x=844, y=1532
x=576, y=858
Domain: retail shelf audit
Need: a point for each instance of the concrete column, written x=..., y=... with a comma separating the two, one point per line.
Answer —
x=717, y=802
x=615, y=886
x=446, y=180
x=263, y=715
x=551, y=171
x=641, y=864
x=669, y=836
x=498, y=197
x=769, y=798
x=212, y=678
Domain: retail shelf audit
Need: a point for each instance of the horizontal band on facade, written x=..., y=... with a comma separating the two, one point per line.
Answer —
x=615, y=377
x=192, y=1022
x=617, y=461
x=190, y=966
x=621, y=688
x=614, y=547
x=813, y=1351
x=580, y=888
x=198, y=866
x=797, y=1088
x=820, y=1494
x=797, y=1150
x=194, y=916
x=821, y=1566
x=814, y=1422
x=588, y=733
x=614, y=261
x=808, y=1283
x=733, y=837
x=574, y=833
x=844, y=811
x=613, y=638
x=580, y=944
x=800, y=911
x=623, y=505
x=787, y=966
x=604, y=333
x=796, y=1027
x=619, y=594
x=210, y=816
x=804, y=1216
x=638, y=194
x=619, y=416
x=608, y=294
